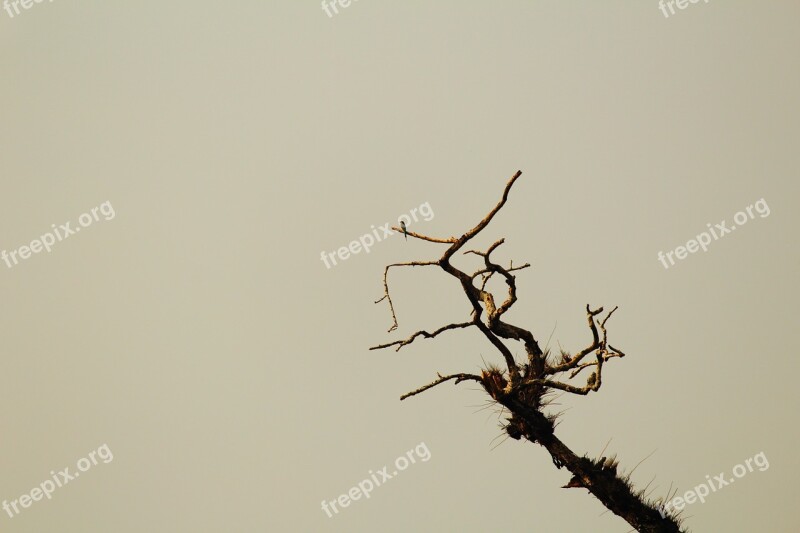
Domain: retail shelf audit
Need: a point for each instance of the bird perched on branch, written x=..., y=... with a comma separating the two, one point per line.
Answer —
x=403, y=227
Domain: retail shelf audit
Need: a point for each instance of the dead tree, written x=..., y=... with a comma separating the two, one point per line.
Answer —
x=523, y=388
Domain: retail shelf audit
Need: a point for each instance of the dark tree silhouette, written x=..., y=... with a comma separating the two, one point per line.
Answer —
x=524, y=388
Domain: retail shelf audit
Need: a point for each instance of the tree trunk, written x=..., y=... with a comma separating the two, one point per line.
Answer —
x=599, y=478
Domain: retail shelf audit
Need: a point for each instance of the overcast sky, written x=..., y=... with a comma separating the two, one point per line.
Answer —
x=198, y=334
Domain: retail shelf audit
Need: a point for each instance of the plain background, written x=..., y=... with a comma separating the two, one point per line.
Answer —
x=201, y=337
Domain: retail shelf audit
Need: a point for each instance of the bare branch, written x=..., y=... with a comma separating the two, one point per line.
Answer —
x=525, y=393
x=593, y=382
x=513, y=369
x=486, y=279
x=488, y=252
x=573, y=362
x=448, y=240
x=581, y=366
x=483, y=223
x=386, y=286
x=491, y=273
x=458, y=377
x=425, y=334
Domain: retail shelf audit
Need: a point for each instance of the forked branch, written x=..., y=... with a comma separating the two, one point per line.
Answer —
x=520, y=388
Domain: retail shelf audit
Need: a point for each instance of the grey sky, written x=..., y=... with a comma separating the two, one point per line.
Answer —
x=199, y=335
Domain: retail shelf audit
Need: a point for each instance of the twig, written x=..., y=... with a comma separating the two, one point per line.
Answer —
x=458, y=377
x=425, y=334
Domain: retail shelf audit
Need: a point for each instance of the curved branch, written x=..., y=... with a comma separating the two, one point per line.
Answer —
x=425, y=334
x=593, y=382
x=523, y=396
x=513, y=369
x=386, y=286
x=483, y=223
x=573, y=362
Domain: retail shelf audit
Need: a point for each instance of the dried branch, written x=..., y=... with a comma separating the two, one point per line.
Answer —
x=425, y=334
x=386, y=287
x=448, y=240
x=573, y=362
x=488, y=252
x=495, y=328
x=593, y=382
x=483, y=223
x=487, y=273
x=524, y=392
x=606, y=357
x=458, y=377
